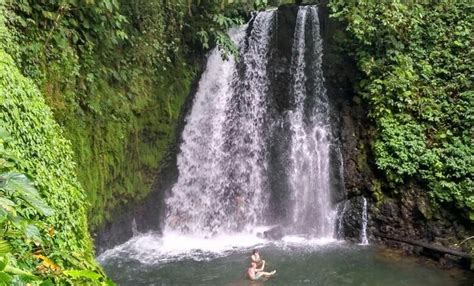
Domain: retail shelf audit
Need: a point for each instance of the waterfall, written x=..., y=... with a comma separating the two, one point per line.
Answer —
x=363, y=231
x=223, y=163
x=310, y=132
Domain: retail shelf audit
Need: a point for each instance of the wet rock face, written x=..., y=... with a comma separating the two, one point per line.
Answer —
x=404, y=212
x=280, y=58
x=408, y=216
x=278, y=68
x=148, y=214
x=403, y=218
x=349, y=114
x=350, y=219
x=411, y=216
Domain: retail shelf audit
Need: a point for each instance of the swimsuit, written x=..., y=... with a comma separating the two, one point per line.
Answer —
x=258, y=276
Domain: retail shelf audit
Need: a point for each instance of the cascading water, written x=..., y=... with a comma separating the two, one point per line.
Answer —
x=223, y=164
x=221, y=183
x=313, y=212
x=363, y=231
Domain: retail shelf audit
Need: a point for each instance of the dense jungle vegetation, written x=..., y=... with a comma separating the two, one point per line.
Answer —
x=114, y=75
x=91, y=90
x=416, y=61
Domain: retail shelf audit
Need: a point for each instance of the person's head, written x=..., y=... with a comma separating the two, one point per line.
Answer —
x=255, y=251
x=253, y=265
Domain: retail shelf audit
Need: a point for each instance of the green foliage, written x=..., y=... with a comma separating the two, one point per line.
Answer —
x=49, y=213
x=18, y=198
x=51, y=27
x=115, y=75
x=105, y=93
x=209, y=23
x=417, y=61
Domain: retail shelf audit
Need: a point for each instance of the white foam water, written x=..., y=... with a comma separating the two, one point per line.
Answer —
x=363, y=232
x=221, y=163
x=151, y=248
x=309, y=181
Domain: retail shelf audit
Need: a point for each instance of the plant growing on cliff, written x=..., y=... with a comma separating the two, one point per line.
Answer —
x=17, y=198
x=116, y=74
x=49, y=216
x=417, y=60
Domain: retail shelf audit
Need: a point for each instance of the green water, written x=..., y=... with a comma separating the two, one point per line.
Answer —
x=337, y=265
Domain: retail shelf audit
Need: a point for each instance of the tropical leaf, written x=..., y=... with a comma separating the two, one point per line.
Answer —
x=32, y=232
x=4, y=135
x=82, y=274
x=7, y=206
x=3, y=263
x=5, y=279
x=4, y=247
x=18, y=271
x=23, y=188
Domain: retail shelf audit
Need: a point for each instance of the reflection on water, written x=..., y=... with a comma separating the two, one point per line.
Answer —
x=151, y=260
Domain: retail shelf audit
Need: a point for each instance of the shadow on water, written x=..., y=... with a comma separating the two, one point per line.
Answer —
x=333, y=264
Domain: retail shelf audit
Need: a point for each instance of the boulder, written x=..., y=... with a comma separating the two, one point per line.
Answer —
x=274, y=233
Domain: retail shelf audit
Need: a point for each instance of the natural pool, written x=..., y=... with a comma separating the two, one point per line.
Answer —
x=175, y=260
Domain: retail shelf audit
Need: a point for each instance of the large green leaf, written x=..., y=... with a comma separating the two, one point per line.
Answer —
x=32, y=232
x=83, y=274
x=3, y=263
x=24, y=189
x=4, y=247
x=7, y=206
x=18, y=271
x=4, y=135
x=5, y=279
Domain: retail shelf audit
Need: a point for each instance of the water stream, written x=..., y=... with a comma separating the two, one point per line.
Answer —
x=310, y=131
x=363, y=232
x=222, y=164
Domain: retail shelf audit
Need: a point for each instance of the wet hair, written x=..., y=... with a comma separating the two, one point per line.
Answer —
x=254, y=251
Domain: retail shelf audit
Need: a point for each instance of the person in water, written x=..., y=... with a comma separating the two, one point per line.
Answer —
x=254, y=273
x=255, y=258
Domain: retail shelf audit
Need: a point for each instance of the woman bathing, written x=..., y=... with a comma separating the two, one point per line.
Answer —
x=254, y=273
x=255, y=258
